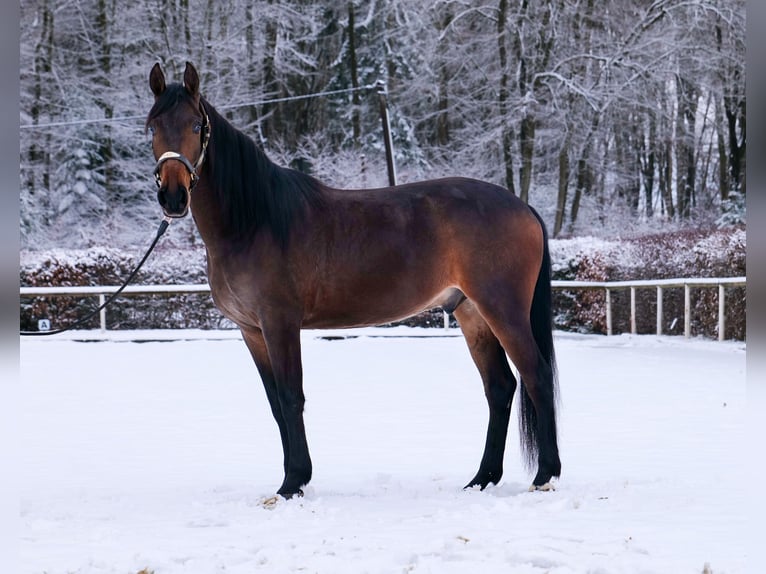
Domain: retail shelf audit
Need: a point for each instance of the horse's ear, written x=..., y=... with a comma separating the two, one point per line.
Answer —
x=157, y=81
x=191, y=80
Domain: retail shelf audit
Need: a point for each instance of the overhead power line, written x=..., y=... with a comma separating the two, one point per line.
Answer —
x=222, y=107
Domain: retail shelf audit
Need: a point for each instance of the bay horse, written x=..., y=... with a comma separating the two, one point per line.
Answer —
x=286, y=252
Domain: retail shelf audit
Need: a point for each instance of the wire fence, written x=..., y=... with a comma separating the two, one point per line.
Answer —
x=117, y=119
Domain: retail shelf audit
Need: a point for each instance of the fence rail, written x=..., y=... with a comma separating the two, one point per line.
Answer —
x=608, y=286
x=720, y=282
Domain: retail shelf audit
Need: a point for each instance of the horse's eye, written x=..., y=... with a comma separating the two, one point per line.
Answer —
x=151, y=130
x=197, y=127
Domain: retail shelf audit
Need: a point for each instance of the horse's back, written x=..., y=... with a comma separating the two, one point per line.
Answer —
x=460, y=217
x=454, y=202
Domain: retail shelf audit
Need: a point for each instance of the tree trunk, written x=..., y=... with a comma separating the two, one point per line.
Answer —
x=561, y=200
x=184, y=7
x=633, y=165
x=584, y=176
x=527, y=145
x=648, y=164
x=106, y=150
x=442, y=117
x=39, y=154
x=735, y=116
x=356, y=124
x=583, y=182
x=504, y=96
x=528, y=86
x=723, y=154
x=732, y=106
x=666, y=179
x=685, y=158
x=271, y=120
x=252, y=62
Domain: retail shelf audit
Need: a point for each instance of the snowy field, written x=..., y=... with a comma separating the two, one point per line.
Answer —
x=159, y=455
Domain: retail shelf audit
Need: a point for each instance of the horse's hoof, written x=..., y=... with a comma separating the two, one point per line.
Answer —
x=475, y=485
x=483, y=479
x=288, y=495
x=547, y=487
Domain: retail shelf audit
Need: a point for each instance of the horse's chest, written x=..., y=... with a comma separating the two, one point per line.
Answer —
x=228, y=306
x=237, y=301
x=244, y=293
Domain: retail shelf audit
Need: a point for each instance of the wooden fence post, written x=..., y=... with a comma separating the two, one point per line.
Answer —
x=687, y=311
x=608, y=312
x=659, y=310
x=633, y=328
x=102, y=313
x=721, y=313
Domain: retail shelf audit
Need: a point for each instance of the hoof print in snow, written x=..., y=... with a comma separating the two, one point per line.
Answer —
x=547, y=487
x=270, y=503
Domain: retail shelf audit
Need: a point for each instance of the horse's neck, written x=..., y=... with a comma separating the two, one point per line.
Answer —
x=208, y=217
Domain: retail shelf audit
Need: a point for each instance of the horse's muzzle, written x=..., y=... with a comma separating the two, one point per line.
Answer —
x=174, y=204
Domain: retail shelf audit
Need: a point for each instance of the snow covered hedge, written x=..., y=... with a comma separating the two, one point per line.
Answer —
x=106, y=266
x=718, y=253
x=691, y=254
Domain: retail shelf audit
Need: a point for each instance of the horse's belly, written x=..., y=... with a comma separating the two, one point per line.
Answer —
x=365, y=311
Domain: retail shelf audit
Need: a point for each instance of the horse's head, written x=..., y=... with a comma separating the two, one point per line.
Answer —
x=180, y=130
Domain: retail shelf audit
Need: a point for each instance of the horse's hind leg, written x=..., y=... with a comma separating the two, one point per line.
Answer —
x=539, y=440
x=499, y=386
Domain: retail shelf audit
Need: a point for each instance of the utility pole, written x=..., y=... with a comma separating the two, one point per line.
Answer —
x=380, y=87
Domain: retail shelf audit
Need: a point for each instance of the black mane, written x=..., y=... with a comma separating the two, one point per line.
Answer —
x=252, y=191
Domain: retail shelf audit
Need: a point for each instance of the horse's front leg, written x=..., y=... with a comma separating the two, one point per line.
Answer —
x=257, y=346
x=283, y=344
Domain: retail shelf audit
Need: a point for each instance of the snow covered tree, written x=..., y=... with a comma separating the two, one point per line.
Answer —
x=605, y=115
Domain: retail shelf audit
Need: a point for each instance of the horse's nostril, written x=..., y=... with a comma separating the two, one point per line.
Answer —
x=174, y=201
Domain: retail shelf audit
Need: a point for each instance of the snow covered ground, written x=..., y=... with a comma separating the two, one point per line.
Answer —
x=159, y=455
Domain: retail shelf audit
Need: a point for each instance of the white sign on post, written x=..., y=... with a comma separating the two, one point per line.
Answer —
x=44, y=325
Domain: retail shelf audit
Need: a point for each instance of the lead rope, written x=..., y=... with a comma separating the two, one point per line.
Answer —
x=160, y=231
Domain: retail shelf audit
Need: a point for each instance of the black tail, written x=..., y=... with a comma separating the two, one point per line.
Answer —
x=541, y=319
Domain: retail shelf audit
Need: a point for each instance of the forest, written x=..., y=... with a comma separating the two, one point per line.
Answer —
x=612, y=118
